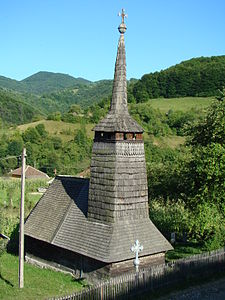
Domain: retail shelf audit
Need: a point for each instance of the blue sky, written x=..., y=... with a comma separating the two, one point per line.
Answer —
x=79, y=37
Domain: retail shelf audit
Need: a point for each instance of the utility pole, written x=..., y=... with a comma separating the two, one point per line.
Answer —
x=21, y=237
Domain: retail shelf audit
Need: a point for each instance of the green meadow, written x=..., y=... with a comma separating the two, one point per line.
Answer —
x=183, y=104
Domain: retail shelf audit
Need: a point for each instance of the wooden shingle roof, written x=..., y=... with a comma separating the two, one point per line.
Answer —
x=118, y=118
x=30, y=172
x=60, y=218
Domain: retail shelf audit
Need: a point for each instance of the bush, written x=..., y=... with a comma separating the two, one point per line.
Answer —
x=208, y=226
x=55, y=116
x=170, y=216
x=153, y=121
x=179, y=120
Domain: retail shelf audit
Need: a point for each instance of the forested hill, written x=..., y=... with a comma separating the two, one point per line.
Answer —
x=13, y=110
x=11, y=84
x=46, y=82
x=42, y=82
x=83, y=95
x=201, y=76
x=49, y=92
x=61, y=101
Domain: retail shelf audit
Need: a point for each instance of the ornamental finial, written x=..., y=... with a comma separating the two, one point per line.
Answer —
x=122, y=28
x=123, y=15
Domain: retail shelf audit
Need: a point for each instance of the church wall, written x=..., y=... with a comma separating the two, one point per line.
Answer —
x=64, y=259
x=52, y=256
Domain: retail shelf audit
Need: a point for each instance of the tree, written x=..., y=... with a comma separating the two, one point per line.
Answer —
x=151, y=119
x=212, y=128
x=41, y=130
x=1, y=124
x=31, y=135
x=57, y=142
x=15, y=145
x=207, y=167
x=206, y=176
x=55, y=116
x=196, y=77
x=75, y=109
x=178, y=120
x=140, y=92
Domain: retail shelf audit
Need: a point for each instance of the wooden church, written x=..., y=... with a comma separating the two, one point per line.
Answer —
x=89, y=225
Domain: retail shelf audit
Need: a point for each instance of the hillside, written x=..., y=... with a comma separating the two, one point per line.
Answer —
x=13, y=110
x=11, y=84
x=61, y=100
x=179, y=108
x=49, y=92
x=46, y=82
x=184, y=104
x=84, y=95
x=42, y=82
x=196, y=77
x=63, y=130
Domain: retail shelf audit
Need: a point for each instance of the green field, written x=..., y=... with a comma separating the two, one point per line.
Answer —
x=183, y=104
x=173, y=141
x=38, y=283
x=65, y=131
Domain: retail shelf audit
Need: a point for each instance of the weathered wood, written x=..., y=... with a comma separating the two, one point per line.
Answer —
x=21, y=231
x=97, y=221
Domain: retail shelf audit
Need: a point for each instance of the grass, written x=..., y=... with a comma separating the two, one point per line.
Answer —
x=182, y=250
x=61, y=129
x=184, y=104
x=38, y=283
x=10, y=194
x=173, y=141
x=170, y=141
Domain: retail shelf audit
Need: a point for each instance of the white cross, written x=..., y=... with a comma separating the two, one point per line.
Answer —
x=136, y=248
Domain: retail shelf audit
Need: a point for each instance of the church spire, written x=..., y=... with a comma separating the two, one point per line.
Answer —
x=119, y=94
x=118, y=118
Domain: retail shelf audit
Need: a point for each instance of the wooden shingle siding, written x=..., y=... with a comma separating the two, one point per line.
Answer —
x=126, y=193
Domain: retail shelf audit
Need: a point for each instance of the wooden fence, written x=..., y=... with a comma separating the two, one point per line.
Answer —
x=148, y=280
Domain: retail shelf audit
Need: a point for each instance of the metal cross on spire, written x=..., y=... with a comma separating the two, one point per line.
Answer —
x=123, y=15
x=136, y=248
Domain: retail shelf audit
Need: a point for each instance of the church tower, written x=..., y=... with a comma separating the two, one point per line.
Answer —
x=89, y=226
x=118, y=184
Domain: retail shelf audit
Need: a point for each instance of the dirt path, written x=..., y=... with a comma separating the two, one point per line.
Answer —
x=214, y=290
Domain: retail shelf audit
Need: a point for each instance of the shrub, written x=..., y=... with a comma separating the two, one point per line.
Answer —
x=170, y=216
x=208, y=226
